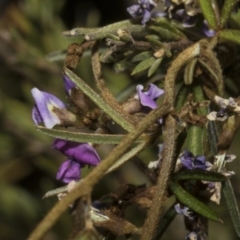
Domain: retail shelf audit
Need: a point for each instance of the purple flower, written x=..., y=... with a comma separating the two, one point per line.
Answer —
x=78, y=155
x=68, y=85
x=143, y=8
x=69, y=171
x=82, y=153
x=190, y=162
x=184, y=211
x=148, y=98
x=43, y=111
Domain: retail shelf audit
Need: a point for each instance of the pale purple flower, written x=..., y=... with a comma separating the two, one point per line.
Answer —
x=190, y=162
x=148, y=98
x=43, y=111
x=69, y=171
x=82, y=153
x=143, y=8
x=68, y=85
x=184, y=211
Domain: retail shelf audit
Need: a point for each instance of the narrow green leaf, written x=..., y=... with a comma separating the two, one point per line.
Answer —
x=142, y=56
x=199, y=175
x=85, y=137
x=165, y=33
x=190, y=201
x=209, y=13
x=143, y=65
x=189, y=71
x=230, y=35
x=181, y=97
x=226, y=11
x=213, y=137
x=164, y=22
x=97, y=99
x=198, y=96
x=232, y=205
x=195, y=140
x=154, y=67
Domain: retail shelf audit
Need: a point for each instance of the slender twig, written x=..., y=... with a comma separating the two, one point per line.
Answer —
x=85, y=186
x=150, y=225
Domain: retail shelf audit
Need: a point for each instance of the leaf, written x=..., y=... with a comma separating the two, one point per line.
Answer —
x=189, y=71
x=181, y=97
x=164, y=22
x=226, y=11
x=143, y=65
x=165, y=33
x=142, y=56
x=97, y=99
x=85, y=137
x=209, y=13
x=195, y=140
x=230, y=35
x=199, y=175
x=154, y=66
x=232, y=205
x=190, y=201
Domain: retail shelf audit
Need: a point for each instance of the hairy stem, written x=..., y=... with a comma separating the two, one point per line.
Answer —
x=150, y=225
x=86, y=185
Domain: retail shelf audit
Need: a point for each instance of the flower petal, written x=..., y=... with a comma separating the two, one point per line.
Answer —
x=82, y=153
x=45, y=103
x=69, y=171
x=68, y=85
x=148, y=98
x=36, y=116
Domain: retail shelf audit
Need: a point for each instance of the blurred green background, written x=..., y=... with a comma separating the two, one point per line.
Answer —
x=29, y=30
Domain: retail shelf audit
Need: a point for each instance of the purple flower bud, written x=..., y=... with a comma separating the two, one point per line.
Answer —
x=190, y=162
x=149, y=97
x=69, y=171
x=68, y=85
x=143, y=8
x=187, y=160
x=82, y=153
x=43, y=110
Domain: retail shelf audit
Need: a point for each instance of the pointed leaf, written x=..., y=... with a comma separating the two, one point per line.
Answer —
x=84, y=137
x=209, y=13
x=199, y=175
x=142, y=56
x=232, y=205
x=165, y=33
x=190, y=201
x=97, y=99
x=230, y=35
x=189, y=71
x=154, y=67
x=226, y=11
x=143, y=65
